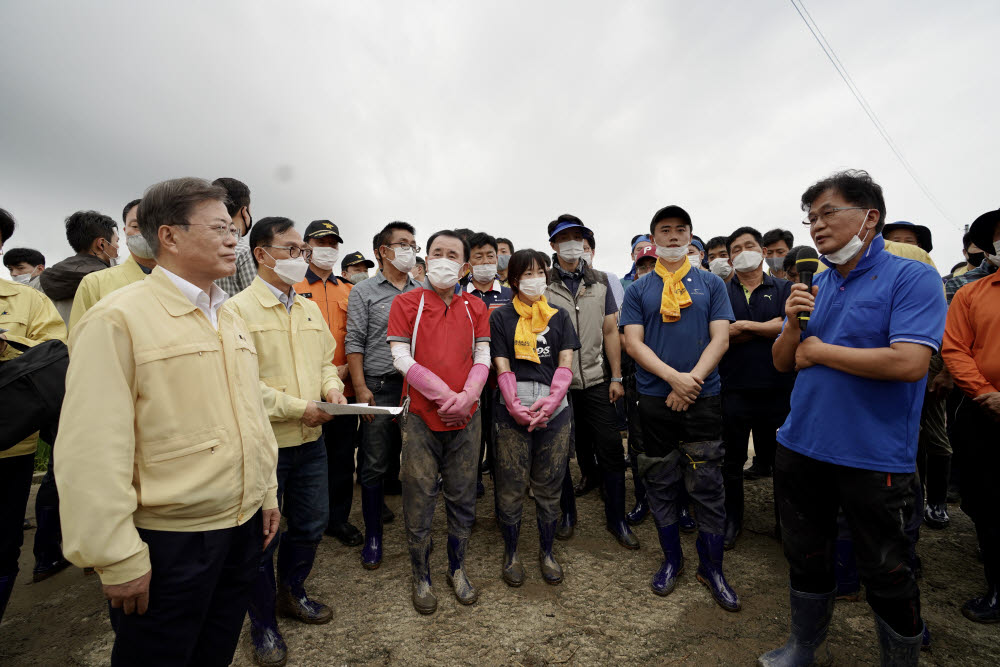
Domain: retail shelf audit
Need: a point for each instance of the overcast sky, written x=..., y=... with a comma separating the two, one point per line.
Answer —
x=497, y=116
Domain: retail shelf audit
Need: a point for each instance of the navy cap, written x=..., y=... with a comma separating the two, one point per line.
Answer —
x=355, y=258
x=562, y=225
x=322, y=228
x=923, y=234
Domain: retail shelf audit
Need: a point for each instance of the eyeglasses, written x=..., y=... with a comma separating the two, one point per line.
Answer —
x=401, y=244
x=828, y=213
x=220, y=229
x=293, y=251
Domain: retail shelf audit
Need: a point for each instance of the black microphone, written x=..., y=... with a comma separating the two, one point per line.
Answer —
x=806, y=263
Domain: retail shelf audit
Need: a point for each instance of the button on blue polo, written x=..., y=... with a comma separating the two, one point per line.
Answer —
x=853, y=421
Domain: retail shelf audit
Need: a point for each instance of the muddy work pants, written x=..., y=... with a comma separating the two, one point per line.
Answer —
x=684, y=449
x=452, y=454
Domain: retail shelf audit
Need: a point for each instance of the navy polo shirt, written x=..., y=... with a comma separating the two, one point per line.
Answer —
x=493, y=298
x=679, y=344
x=853, y=421
x=750, y=365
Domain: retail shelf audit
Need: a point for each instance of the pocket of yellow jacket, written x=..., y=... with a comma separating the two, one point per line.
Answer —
x=166, y=456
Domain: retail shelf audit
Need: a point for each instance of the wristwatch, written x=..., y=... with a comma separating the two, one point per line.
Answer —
x=618, y=380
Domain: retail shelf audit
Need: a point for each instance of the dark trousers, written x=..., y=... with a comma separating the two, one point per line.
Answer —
x=760, y=411
x=48, y=534
x=980, y=461
x=198, y=596
x=539, y=457
x=684, y=449
x=598, y=442
x=15, y=486
x=878, y=506
x=341, y=438
x=487, y=408
x=380, y=438
x=302, y=495
x=452, y=454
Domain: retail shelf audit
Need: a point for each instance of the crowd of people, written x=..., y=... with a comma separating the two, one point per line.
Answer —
x=222, y=376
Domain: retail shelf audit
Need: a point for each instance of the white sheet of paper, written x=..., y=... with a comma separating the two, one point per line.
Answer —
x=354, y=409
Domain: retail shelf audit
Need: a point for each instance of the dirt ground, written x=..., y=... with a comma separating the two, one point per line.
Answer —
x=603, y=612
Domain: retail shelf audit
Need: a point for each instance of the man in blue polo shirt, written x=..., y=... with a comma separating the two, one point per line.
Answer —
x=850, y=440
x=754, y=394
x=676, y=323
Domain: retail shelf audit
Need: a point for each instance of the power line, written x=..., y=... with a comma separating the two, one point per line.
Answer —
x=831, y=55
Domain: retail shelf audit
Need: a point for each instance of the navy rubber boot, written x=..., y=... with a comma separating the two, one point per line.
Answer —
x=641, y=509
x=710, y=573
x=513, y=571
x=686, y=521
x=552, y=571
x=295, y=561
x=372, y=500
x=673, y=559
x=268, y=646
x=806, y=645
x=614, y=510
x=465, y=592
x=424, y=600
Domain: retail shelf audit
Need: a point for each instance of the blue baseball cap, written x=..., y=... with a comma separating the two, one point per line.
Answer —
x=568, y=222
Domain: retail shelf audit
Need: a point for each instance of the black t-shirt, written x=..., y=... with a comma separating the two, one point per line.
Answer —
x=558, y=336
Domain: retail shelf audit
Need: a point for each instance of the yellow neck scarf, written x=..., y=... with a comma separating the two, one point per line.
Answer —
x=675, y=295
x=534, y=319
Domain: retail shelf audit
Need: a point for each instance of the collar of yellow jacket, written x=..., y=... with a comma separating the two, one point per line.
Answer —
x=263, y=292
x=533, y=320
x=675, y=296
x=171, y=298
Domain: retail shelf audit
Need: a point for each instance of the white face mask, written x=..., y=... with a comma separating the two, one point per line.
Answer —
x=139, y=246
x=502, y=262
x=588, y=257
x=720, y=267
x=484, y=272
x=533, y=287
x=325, y=258
x=668, y=254
x=358, y=277
x=695, y=259
x=748, y=260
x=851, y=248
x=290, y=271
x=405, y=259
x=24, y=278
x=570, y=251
x=442, y=272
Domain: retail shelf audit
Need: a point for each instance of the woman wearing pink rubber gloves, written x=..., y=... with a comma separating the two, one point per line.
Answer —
x=532, y=345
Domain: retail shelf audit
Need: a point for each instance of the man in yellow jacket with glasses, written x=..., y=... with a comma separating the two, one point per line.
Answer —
x=295, y=350
x=166, y=466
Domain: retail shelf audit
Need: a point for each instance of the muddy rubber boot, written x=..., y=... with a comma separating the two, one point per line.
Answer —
x=897, y=650
x=266, y=643
x=295, y=561
x=614, y=510
x=806, y=645
x=424, y=600
x=710, y=550
x=673, y=559
x=567, y=504
x=465, y=592
x=552, y=571
x=845, y=569
x=371, y=510
x=512, y=571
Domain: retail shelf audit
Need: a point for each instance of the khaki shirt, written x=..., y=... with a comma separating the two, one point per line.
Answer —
x=295, y=350
x=162, y=427
x=30, y=319
x=97, y=285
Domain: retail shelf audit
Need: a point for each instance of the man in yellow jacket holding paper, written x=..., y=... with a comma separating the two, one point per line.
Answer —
x=166, y=466
x=295, y=351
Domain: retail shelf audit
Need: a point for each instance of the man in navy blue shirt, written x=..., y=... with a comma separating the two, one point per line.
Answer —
x=676, y=323
x=850, y=440
x=485, y=284
x=754, y=394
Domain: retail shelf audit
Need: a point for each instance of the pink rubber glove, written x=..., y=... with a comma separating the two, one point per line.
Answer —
x=428, y=384
x=461, y=403
x=508, y=388
x=546, y=405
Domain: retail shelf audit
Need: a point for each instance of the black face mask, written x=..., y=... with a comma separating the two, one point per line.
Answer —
x=976, y=258
x=249, y=224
